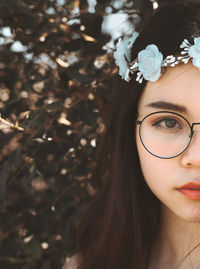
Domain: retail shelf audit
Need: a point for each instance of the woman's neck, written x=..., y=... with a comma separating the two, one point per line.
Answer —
x=174, y=242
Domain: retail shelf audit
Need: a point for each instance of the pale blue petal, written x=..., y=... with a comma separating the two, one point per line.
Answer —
x=194, y=52
x=152, y=48
x=196, y=62
x=155, y=76
x=123, y=48
x=150, y=60
x=197, y=41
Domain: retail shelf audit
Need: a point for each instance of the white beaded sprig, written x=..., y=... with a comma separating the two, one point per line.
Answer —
x=186, y=46
x=170, y=61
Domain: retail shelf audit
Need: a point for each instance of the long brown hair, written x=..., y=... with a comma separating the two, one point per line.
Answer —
x=119, y=227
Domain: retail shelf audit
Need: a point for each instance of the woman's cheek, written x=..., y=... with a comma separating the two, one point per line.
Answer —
x=155, y=171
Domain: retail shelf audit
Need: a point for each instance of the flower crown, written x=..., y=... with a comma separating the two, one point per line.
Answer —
x=150, y=63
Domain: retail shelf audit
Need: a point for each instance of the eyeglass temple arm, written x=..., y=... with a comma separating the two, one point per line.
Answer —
x=138, y=121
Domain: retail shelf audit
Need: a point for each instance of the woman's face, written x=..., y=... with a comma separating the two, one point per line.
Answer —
x=177, y=90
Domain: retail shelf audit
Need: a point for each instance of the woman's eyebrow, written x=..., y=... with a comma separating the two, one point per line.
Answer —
x=166, y=105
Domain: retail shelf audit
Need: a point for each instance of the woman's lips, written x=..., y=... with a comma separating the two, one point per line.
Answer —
x=191, y=190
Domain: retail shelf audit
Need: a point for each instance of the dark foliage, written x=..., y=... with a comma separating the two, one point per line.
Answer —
x=55, y=90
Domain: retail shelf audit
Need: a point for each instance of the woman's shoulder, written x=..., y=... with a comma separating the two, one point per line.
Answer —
x=70, y=263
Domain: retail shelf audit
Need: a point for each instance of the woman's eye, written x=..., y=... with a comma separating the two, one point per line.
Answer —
x=167, y=123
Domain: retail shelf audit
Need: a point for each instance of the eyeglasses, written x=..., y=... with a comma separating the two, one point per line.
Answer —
x=165, y=134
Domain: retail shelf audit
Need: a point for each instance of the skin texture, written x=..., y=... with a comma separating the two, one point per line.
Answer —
x=180, y=217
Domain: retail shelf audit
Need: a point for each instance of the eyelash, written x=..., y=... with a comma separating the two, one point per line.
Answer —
x=165, y=119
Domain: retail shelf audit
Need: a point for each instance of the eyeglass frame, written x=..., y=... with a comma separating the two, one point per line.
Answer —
x=139, y=122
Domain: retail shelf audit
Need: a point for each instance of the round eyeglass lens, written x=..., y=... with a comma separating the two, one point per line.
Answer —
x=165, y=134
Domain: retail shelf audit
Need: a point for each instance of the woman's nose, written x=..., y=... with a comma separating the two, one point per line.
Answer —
x=191, y=157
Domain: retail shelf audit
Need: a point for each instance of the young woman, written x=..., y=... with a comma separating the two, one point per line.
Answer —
x=146, y=215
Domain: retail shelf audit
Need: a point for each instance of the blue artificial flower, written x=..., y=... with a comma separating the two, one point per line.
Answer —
x=123, y=49
x=150, y=61
x=194, y=52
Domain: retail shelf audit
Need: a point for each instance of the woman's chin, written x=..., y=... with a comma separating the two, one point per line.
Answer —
x=191, y=215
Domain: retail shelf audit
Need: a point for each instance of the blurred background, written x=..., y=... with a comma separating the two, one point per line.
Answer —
x=57, y=77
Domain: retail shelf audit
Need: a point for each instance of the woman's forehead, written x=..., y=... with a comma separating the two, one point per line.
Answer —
x=179, y=86
x=178, y=82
